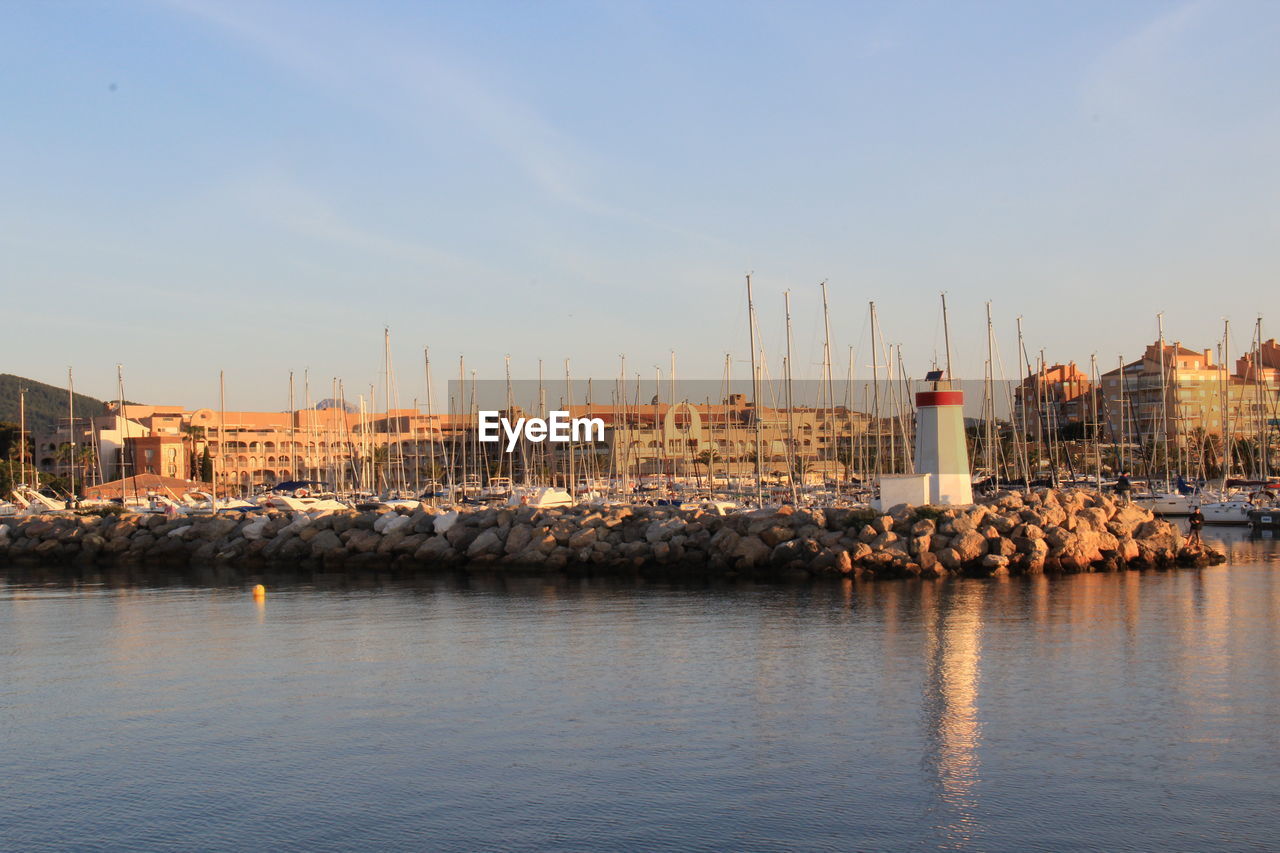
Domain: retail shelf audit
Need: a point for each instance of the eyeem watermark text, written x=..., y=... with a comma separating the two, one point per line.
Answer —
x=558, y=427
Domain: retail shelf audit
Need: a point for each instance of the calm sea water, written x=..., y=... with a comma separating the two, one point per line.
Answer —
x=1110, y=712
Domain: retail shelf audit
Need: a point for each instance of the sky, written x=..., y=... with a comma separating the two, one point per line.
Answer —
x=189, y=187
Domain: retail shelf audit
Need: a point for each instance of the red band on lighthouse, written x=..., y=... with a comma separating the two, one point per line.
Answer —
x=939, y=398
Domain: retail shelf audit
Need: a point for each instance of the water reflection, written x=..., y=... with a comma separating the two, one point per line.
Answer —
x=952, y=625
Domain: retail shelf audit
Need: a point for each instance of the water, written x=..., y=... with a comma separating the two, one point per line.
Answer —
x=1118, y=712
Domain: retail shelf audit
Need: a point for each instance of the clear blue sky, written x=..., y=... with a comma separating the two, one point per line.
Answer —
x=194, y=185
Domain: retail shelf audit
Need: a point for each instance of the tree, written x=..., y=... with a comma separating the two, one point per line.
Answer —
x=708, y=457
x=206, y=466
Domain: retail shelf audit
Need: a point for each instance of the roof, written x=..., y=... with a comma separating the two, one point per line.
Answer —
x=143, y=483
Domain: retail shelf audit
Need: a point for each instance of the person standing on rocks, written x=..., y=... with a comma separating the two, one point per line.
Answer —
x=1124, y=488
x=1195, y=521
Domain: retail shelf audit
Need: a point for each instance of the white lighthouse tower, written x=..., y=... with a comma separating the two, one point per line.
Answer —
x=941, y=451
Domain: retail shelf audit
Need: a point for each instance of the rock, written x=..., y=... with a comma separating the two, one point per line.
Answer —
x=254, y=529
x=435, y=549
x=884, y=540
x=859, y=551
x=924, y=527
x=392, y=522
x=751, y=551
x=488, y=542
x=1058, y=537
x=325, y=542
x=518, y=538
x=775, y=534
x=583, y=538
x=1127, y=519
x=968, y=547
x=443, y=523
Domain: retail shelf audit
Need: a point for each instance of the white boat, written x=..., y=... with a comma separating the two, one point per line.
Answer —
x=1169, y=503
x=712, y=507
x=1232, y=511
x=541, y=496
x=498, y=489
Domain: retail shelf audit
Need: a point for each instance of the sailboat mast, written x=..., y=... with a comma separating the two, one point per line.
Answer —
x=1096, y=382
x=1123, y=432
x=755, y=391
x=875, y=395
x=71, y=428
x=793, y=460
x=568, y=395
x=222, y=426
x=22, y=437
x=293, y=427
x=1164, y=403
x=462, y=395
x=833, y=436
x=1261, y=397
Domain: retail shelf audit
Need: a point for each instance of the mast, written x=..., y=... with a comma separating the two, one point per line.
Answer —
x=1261, y=398
x=568, y=392
x=22, y=437
x=993, y=461
x=511, y=472
x=1096, y=382
x=293, y=427
x=540, y=451
x=1123, y=434
x=1226, y=405
x=431, y=430
x=875, y=395
x=222, y=427
x=792, y=451
x=908, y=461
x=755, y=389
x=71, y=427
x=1164, y=405
x=833, y=437
x=462, y=395
x=124, y=436
x=946, y=334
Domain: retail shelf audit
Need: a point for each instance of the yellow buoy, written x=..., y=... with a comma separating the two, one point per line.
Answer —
x=259, y=591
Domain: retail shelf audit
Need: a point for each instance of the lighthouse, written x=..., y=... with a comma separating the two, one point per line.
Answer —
x=941, y=451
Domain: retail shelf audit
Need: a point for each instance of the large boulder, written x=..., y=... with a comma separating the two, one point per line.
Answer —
x=968, y=547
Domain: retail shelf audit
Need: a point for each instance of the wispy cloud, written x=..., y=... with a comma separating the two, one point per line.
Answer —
x=403, y=82
x=417, y=84
x=1134, y=70
x=276, y=201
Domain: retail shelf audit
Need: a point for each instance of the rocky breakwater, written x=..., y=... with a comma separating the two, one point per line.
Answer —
x=1009, y=534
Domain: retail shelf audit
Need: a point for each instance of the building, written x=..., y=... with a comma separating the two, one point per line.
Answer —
x=1052, y=398
x=1192, y=398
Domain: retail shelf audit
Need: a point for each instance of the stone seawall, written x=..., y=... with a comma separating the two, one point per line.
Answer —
x=1009, y=534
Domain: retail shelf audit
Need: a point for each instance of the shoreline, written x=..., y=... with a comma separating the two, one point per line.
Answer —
x=1044, y=531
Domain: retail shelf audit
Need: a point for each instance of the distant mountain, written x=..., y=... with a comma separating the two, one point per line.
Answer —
x=46, y=404
x=330, y=403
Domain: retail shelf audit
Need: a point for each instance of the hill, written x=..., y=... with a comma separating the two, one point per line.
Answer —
x=46, y=404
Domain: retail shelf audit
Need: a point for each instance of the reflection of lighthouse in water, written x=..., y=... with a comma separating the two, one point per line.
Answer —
x=953, y=631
